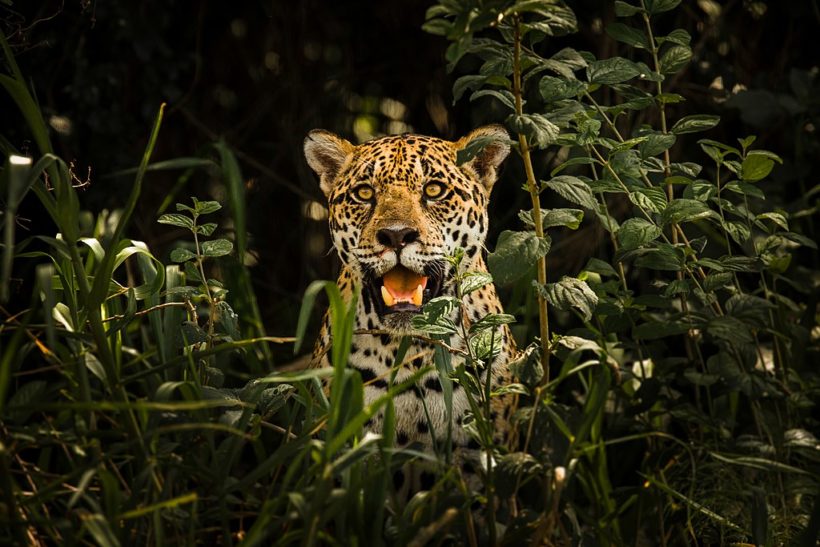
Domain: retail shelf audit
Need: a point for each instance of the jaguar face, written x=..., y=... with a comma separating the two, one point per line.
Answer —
x=399, y=205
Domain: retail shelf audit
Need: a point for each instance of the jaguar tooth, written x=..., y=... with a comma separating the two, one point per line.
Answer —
x=387, y=297
x=418, y=295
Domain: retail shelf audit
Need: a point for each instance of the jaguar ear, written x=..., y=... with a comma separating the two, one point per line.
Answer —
x=326, y=153
x=484, y=148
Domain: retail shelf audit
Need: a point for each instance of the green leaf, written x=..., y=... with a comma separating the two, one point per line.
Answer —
x=659, y=329
x=650, y=199
x=637, y=232
x=778, y=218
x=572, y=189
x=730, y=329
x=751, y=309
x=715, y=281
x=623, y=9
x=571, y=292
x=612, y=71
x=538, y=129
x=175, y=219
x=686, y=210
x=434, y=316
x=470, y=81
x=600, y=267
x=206, y=207
x=677, y=36
x=217, y=247
x=628, y=35
x=515, y=253
x=571, y=218
x=746, y=189
x=438, y=26
x=555, y=89
x=206, y=229
x=515, y=468
x=473, y=148
x=504, y=96
x=675, y=58
x=473, y=281
x=800, y=239
x=492, y=320
x=656, y=143
x=756, y=167
x=527, y=366
x=179, y=255
x=663, y=257
x=695, y=123
x=579, y=160
x=659, y=6
x=192, y=333
x=737, y=230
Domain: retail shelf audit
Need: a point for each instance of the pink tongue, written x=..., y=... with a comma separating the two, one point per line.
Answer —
x=402, y=282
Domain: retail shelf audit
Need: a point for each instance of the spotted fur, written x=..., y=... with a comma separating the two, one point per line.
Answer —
x=397, y=168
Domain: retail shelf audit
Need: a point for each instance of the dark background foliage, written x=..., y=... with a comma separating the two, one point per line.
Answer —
x=262, y=74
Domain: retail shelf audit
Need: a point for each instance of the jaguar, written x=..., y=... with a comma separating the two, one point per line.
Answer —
x=398, y=207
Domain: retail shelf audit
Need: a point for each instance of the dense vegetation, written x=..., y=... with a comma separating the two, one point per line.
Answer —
x=657, y=258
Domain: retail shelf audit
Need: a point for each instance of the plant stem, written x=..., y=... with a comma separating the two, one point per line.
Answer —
x=532, y=187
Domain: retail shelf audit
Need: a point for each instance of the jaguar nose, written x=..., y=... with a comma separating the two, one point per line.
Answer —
x=396, y=239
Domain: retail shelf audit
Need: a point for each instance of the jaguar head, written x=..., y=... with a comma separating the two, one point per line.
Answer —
x=399, y=205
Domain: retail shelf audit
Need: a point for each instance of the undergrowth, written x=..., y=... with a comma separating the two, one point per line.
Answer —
x=138, y=406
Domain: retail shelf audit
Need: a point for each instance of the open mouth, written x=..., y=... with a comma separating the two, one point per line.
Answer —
x=403, y=290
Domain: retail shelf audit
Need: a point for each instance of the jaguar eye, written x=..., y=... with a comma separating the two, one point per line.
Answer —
x=433, y=190
x=363, y=192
